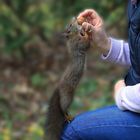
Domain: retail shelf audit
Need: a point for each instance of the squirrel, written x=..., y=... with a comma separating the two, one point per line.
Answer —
x=57, y=116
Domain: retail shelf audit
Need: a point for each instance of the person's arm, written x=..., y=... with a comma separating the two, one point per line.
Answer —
x=128, y=98
x=118, y=53
x=93, y=24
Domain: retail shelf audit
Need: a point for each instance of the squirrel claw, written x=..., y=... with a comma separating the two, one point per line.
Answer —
x=68, y=118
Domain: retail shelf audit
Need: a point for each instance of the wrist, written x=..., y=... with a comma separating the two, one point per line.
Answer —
x=103, y=42
x=106, y=47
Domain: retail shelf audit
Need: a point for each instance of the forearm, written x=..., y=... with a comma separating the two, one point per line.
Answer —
x=118, y=53
x=128, y=98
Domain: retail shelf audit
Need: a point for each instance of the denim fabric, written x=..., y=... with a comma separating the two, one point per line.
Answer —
x=107, y=123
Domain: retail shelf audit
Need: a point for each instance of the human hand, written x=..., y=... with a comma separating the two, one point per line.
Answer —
x=93, y=24
x=118, y=86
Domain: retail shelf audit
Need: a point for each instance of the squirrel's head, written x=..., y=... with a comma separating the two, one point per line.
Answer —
x=77, y=38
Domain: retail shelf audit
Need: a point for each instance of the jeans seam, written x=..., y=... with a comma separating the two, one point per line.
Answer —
x=129, y=126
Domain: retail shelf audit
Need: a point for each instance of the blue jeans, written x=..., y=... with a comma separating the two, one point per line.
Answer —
x=107, y=123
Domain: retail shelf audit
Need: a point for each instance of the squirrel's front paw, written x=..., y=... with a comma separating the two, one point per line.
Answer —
x=68, y=118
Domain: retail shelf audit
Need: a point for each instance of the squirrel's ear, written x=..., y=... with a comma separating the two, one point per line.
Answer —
x=74, y=19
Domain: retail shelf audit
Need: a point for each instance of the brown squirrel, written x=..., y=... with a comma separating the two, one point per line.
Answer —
x=78, y=44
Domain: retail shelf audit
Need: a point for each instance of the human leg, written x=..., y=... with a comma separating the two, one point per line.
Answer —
x=107, y=123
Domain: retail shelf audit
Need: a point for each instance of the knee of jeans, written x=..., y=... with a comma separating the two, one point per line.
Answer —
x=69, y=132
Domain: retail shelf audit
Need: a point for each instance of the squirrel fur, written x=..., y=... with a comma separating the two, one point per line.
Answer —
x=78, y=44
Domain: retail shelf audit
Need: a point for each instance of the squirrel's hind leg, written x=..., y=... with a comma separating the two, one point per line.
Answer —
x=65, y=102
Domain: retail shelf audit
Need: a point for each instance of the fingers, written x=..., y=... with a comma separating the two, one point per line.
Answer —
x=97, y=22
x=87, y=27
x=80, y=20
x=88, y=13
x=91, y=27
x=91, y=17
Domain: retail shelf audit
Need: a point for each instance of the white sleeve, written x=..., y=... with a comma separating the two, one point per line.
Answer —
x=118, y=53
x=128, y=98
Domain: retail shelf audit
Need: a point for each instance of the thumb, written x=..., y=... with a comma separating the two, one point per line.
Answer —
x=87, y=27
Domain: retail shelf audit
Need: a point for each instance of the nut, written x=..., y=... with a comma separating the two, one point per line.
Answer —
x=80, y=20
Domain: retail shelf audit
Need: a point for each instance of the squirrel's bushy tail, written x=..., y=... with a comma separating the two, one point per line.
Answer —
x=55, y=123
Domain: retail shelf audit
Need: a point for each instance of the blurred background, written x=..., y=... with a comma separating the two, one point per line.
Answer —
x=33, y=57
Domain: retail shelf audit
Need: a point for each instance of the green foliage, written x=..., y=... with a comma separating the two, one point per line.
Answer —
x=88, y=86
x=22, y=21
x=38, y=80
